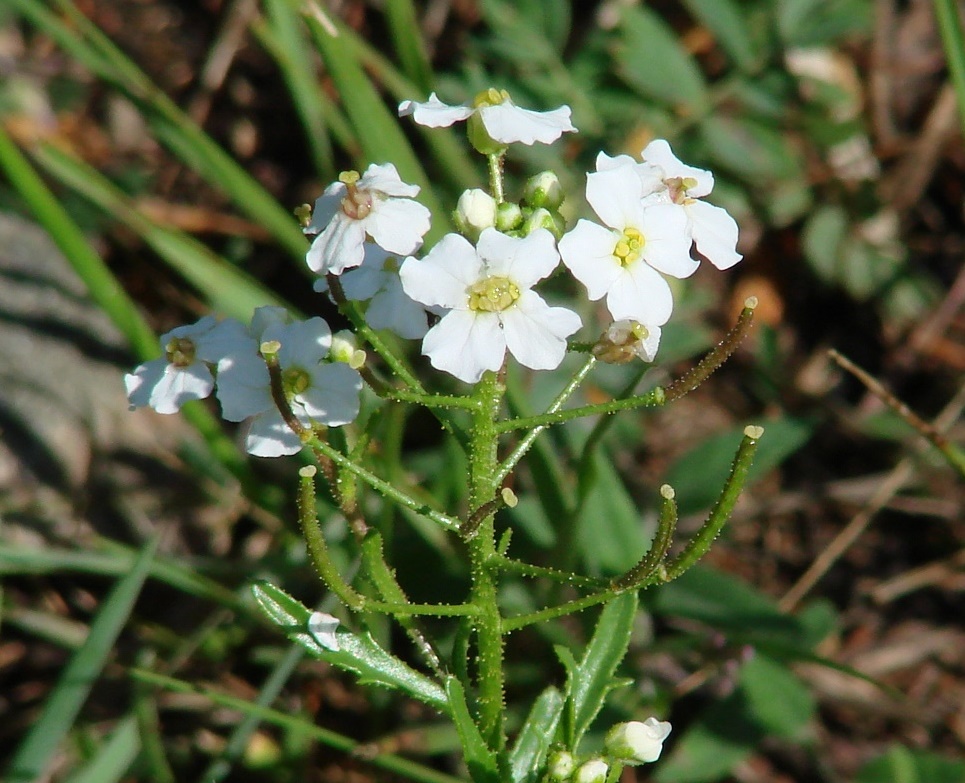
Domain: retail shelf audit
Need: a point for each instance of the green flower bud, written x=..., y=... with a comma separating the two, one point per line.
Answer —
x=592, y=771
x=543, y=218
x=543, y=190
x=509, y=216
x=560, y=766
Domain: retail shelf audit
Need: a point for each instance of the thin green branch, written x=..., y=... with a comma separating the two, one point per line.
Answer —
x=510, y=565
x=659, y=547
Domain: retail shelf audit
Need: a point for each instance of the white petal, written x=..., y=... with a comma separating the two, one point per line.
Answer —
x=508, y=123
x=303, y=343
x=176, y=386
x=587, y=251
x=666, y=230
x=269, y=436
x=605, y=162
x=327, y=206
x=715, y=233
x=243, y=386
x=333, y=397
x=641, y=294
x=615, y=196
x=659, y=153
x=140, y=383
x=384, y=178
x=228, y=337
x=398, y=225
x=434, y=113
x=524, y=260
x=392, y=309
x=322, y=627
x=442, y=277
x=263, y=317
x=646, y=349
x=466, y=344
x=536, y=333
x=338, y=247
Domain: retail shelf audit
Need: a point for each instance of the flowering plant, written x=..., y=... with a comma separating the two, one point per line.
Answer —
x=472, y=300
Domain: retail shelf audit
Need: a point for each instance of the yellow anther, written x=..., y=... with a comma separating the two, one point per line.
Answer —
x=295, y=380
x=180, y=351
x=490, y=97
x=493, y=295
x=629, y=247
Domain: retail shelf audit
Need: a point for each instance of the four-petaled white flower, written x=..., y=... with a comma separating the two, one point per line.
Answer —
x=379, y=205
x=377, y=279
x=318, y=392
x=713, y=229
x=623, y=261
x=487, y=290
x=183, y=373
x=322, y=627
x=637, y=742
x=503, y=120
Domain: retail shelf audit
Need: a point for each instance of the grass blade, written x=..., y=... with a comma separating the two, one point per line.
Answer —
x=69, y=694
x=114, y=757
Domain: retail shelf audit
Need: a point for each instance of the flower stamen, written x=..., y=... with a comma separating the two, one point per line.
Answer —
x=629, y=247
x=180, y=351
x=493, y=294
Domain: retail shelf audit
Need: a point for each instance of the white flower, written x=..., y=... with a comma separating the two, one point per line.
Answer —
x=592, y=771
x=637, y=743
x=379, y=205
x=623, y=262
x=504, y=121
x=377, y=279
x=317, y=392
x=713, y=229
x=322, y=627
x=487, y=290
x=183, y=373
x=625, y=340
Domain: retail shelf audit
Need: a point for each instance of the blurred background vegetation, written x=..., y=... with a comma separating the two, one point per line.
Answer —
x=151, y=152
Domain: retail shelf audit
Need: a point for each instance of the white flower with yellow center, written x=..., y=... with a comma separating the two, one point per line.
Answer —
x=377, y=204
x=623, y=260
x=713, y=229
x=487, y=291
x=502, y=120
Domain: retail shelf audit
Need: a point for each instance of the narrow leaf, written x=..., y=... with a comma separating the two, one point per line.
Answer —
x=479, y=758
x=533, y=742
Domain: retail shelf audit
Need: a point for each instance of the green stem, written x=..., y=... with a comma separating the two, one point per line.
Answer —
x=950, y=26
x=482, y=548
x=652, y=399
x=430, y=400
x=383, y=487
x=496, y=176
x=697, y=547
x=662, y=540
x=527, y=441
x=509, y=565
x=551, y=613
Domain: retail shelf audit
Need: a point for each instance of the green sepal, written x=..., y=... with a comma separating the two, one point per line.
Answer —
x=358, y=653
x=528, y=756
x=590, y=681
x=481, y=760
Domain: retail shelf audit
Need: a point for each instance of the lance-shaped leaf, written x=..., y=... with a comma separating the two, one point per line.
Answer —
x=358, y=653
x=481, y=760
x=532, y=745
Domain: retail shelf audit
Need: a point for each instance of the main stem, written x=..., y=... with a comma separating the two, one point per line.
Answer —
x=482, y=547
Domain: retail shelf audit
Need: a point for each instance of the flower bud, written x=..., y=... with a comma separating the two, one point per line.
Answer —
x=543, y=218
x=635, y=742
x=543, y=190
x=560, y=766
x=475, y=210
x=479, y=137
x=626, y=340
x=344, y=349
x=508, y=216
x=592, y=771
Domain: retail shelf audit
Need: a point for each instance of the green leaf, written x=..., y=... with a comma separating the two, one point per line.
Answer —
x=726, y=20
x=610, y=534
x=651, y=59
x=407, y=42
x=902, y=765
x=37, y=750
x=589, y=681
x=358, y=653
x=533, y=742
x=803, y=23
x=697, y=475
x=114, y=757
x=477, y=755
x=780, y=703
x=824, y=232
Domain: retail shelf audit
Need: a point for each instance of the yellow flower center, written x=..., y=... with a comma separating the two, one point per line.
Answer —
x=357, y=204
x=295, y=380
x=629, y=247
x=493, y=295
x=180, y=351
x=490, y=97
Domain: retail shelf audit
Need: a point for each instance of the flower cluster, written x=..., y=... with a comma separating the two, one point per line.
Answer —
x=471, y=297
x=626, y=744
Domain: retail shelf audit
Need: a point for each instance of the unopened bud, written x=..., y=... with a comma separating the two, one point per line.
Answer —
x=543, y=190
x=508, y=216
x=344, y=349
x=543, y=218
x=592, y=771
x=560, y=766
x=637, y=742
x=475, y=211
